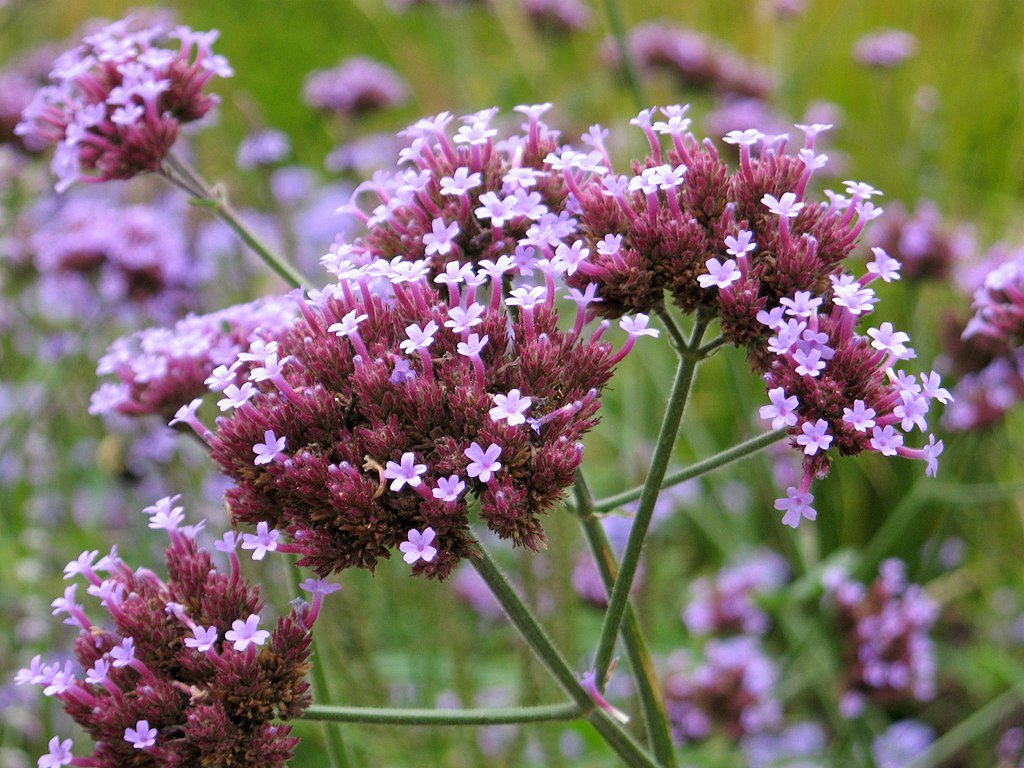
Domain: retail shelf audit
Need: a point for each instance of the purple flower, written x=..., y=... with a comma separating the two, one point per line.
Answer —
x=141, y=736
x=815, y=437
x=785, y=206
x=510, y=408
x=441, y=237
x=59, y=753
x=418, y=546
x=245, y=633
x=797, y=506
x=860, y=417
x=405, y=473
x=720, y=274
x=271, y=447
x=203, y=638
x=483, y=464
x=886, y=339
x=357, y=85
x=264, y=540
x=886, y=49
x=782, y=410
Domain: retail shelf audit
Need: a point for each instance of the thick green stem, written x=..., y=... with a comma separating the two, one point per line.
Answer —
x=648, y=497
x=659, y=733
x=537, y=638
x=182, y=175
x=337, y=754
x=710, y=464
x=488, y=716
x=629, y=70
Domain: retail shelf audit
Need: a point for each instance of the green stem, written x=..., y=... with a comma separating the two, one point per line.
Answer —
x=678, y=340
x=710, y=464
x=488, y=716
x=181, y=174
x=659, y=733
x=337, y=755
x=618, y=27
x=648, y=497
x=537, y=638
x=712, y=345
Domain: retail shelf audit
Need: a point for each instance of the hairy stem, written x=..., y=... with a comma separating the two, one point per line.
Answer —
x=337, y=754
x=487, y=716
x=182, y=175
x=648, y=498
x=659, y=734
x=710, y=464
x=537, y=638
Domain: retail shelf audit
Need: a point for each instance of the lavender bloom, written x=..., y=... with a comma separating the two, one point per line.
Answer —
x=118, y=100
x=801, y=745
x=355, y=86
x=697, y=61
x=171, y=688
x=727, y=603
x=888, y=651
x=158, y=369
x=1010, y=750
x=885, y=49
x=731, y=692
x=262, y=149
x=901, y=743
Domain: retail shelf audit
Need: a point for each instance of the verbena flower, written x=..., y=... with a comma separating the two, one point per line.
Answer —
x=160, y=369
x=695, y=60
x=402, y=406
x=727, y=603
x=180, y=673
x=118, y=100
x=263, y=149
x=355, y=86
x=901, y=743
x=888, y=653
x=750, y=247
x=558, y=16
x=731, y=692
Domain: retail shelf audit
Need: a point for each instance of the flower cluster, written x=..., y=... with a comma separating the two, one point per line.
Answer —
x=727, y=604
x=118, y=101
x=470, y=197
x=158, y=369
x=182, y=674
x=19, y=81
x=927, y=247
x=131, y=256
x=750, y=248
x=999, y=304
x=695, y=60
x=378, y=418
x=731, y=692
x=888, y=651
x=355, y=86
x=885, y=49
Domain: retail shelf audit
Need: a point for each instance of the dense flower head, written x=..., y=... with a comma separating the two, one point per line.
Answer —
x=19, y=81
x=391, y=406
x=180, y=673
x=467, y=195
x=263, y=149
x=159, y=369
x=695, y=60
x=731, y=692
x=132, y=257
x=117, y=101
x=889, y=656
x=751, y=248
x=901, y=743
x=1010, y=750
x=801, y=745
x=927, y=246
x=355, y=86
x=999, y=304
x=885, y=49
x=727, y=603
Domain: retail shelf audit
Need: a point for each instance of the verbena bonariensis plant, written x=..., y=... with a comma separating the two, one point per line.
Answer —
x=433, y=381
x=181, y=674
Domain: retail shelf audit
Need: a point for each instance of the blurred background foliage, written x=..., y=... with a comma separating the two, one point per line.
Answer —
x=946, y=125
